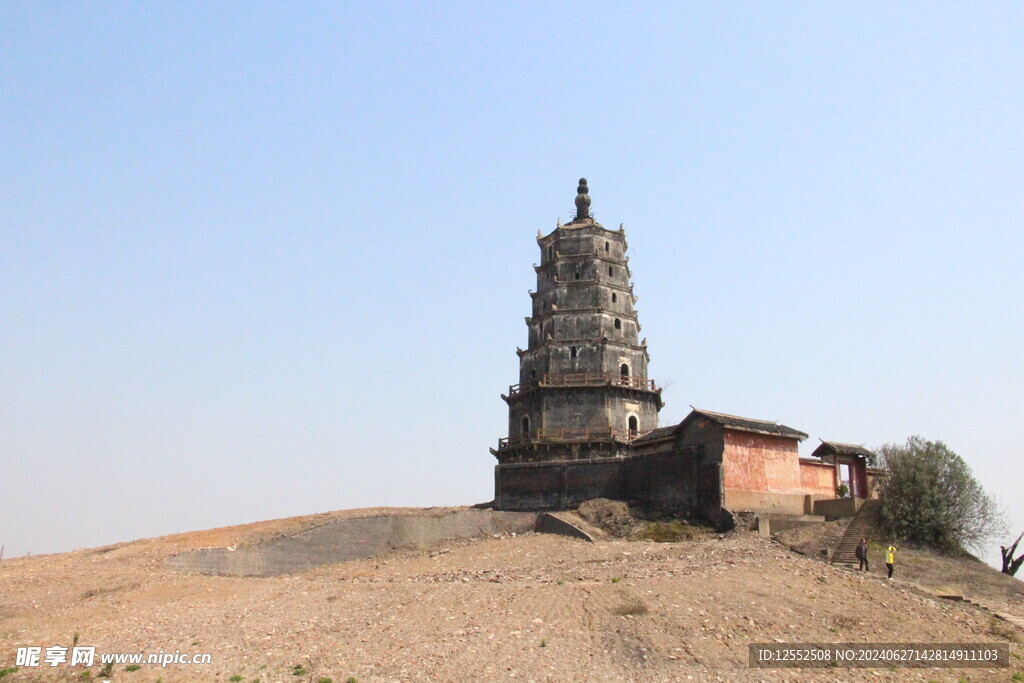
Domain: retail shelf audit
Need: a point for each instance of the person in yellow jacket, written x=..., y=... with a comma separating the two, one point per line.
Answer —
x=890, y=558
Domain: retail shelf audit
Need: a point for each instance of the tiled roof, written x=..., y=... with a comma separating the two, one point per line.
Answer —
x=837, y=448
x=748, y=424
x=659, y=433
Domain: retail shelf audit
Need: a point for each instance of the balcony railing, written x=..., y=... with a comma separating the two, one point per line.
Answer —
x=587, y=379
x=569, y=436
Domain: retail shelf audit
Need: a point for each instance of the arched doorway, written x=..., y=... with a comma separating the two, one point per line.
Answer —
x=632, y=425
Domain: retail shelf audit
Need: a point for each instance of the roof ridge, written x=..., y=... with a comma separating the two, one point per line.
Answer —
x=738, y=417
x=842, y=443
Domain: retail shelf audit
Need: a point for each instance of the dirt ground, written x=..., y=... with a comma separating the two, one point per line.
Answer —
x=962, y=575
x=529, y=607
x=815, y=540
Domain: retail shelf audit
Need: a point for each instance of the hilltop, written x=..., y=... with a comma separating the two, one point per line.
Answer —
x=523, y=607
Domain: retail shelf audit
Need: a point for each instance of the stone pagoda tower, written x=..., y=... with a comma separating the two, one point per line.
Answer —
x=583, y=390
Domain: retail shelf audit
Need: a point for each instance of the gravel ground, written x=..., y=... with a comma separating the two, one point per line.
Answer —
x=963, y=574
x=529, y=607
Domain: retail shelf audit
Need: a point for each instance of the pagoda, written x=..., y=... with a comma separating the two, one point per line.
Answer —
x=583, y=390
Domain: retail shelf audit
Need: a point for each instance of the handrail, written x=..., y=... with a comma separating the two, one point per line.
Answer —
x=569, y=435
x=587, y=379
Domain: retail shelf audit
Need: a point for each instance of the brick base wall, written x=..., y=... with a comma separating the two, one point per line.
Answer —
x=665, y=480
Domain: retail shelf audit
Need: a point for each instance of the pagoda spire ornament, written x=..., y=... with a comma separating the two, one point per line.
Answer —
x=582, y=200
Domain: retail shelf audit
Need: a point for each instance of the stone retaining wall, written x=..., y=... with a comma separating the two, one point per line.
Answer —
x=350, y=539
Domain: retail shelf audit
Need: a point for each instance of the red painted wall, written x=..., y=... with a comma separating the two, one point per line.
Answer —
x=760, y=462
x=818, y=479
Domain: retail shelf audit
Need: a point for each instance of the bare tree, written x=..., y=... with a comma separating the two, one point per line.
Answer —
x=1011, y=565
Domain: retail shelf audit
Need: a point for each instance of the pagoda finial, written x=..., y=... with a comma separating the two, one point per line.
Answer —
x=582, y=200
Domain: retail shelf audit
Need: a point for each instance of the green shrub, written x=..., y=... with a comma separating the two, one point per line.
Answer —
x=931, y=498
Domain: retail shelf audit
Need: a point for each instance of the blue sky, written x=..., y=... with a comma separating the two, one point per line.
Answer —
x=268, y=259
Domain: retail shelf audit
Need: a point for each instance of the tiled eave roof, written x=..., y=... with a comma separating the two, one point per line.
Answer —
x=747, y=424
x=838, y=448
x=656, y=434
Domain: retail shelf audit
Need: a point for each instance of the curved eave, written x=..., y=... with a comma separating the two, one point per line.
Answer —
x=577, y=227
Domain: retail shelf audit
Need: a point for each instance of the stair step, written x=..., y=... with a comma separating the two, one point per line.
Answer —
x=863, y=525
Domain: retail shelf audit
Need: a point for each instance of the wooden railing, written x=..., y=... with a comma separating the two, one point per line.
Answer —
x=587, y=379
x=569, y=436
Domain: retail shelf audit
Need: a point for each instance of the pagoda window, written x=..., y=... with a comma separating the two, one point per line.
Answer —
x=607, y=247
x=632, y=425
x=572, y=352
x=615, y=297
x=526, y=425
x=611, y=271
x=624, y=370
x=618, y=324
x=551, y=253
x=576, y=276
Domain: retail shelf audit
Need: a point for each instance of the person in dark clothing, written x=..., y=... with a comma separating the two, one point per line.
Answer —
x=862, y=556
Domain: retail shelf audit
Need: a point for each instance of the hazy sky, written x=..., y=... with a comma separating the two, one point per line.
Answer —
x=267, y=259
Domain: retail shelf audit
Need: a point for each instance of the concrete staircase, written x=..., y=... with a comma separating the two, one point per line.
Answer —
x=864, y=525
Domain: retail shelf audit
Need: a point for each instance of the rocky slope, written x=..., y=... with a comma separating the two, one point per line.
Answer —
x=524, y=607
